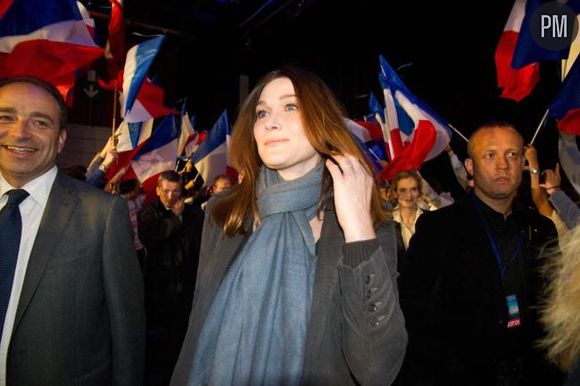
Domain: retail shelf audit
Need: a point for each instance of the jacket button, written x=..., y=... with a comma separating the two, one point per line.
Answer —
x=369, y=278
x=378, y=321
x=370, y=292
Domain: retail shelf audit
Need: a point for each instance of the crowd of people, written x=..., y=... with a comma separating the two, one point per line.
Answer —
x=306, y=270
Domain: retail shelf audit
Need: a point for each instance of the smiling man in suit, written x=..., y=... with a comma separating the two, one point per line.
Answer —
x=71, y=292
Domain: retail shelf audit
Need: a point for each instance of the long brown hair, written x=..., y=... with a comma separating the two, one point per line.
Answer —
x=324, y=125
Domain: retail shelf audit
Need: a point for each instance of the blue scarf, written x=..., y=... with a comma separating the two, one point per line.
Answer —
x=255, y=332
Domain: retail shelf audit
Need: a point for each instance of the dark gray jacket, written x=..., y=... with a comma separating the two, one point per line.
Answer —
x=356, y=333
x=80, y=318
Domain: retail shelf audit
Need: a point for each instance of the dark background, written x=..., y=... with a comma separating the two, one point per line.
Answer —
x=448, y=48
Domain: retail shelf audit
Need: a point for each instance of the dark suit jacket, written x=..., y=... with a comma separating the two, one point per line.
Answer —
x=454, y=303
x=172, y=255
x=356, y=331
x=80, y=318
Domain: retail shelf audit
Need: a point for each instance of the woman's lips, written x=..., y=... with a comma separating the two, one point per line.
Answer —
x=276, y=141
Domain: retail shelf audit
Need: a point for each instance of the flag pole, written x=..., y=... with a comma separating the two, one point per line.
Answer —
x=114, y=109
x=540, y=126
x=458, y=132
x=387, y=125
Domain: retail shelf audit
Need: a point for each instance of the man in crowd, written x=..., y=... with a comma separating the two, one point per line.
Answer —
x=471, y=286
x=171, y=233
x=71, y=292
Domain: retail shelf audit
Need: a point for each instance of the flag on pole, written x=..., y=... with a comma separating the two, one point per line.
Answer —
x=516, y=83
x=527, y=49
x=131, y=134
x=194, y=140
x=566, y=106
x=45, y=39
x=143, y=100
x=211, y=158
x=89, y=22
x=187, y=134
x=156, y=155
x=116, y=47
x=416, y=132
x=568, y=62
x=365, y=136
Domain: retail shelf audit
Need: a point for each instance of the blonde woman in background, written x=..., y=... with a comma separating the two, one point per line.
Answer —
x=561, y=314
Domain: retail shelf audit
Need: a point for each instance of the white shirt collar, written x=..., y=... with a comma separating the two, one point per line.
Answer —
x=397, y=214
x=39, y=188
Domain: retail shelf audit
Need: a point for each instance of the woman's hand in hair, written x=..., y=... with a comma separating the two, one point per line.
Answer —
x=353, y=187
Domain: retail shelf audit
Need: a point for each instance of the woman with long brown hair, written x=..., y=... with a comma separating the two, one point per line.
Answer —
x=297, y=274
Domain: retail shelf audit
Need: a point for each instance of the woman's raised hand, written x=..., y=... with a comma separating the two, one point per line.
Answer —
x=353, y=187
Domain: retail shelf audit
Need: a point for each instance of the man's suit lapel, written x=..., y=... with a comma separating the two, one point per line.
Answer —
x=58, y=212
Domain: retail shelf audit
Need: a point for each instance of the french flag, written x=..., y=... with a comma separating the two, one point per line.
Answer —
x=143, y=100
x=188, y=138
x=131, y=134
x=46, y=39
x=566, y=107
x=116, y=47
x=370, y=133
x=211, y=158
x=515, y=83
x=391, y=136
x=130, y=137
x=365, y=135
x=156, y=155
x=194, y=140
x=89, y=22
x=416, y=132
x=527, y=50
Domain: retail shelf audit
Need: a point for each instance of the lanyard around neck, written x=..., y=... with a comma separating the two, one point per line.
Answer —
x=493, y=243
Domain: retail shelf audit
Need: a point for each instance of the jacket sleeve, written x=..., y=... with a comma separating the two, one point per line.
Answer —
x=373, y=328
x=156, y=226
x=123, y=286
x=570, y=158
x=566, y=208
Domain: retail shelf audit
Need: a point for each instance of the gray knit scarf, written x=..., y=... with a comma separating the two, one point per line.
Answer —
x=255, y=332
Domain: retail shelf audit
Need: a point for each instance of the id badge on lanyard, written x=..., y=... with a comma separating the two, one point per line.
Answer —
x=514, y=319
x=513, y=311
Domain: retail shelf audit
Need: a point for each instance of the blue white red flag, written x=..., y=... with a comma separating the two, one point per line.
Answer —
x=116, y=47
x=46, y=39
x=376, y=108
x=188, y=138
x=411, y=129
x=364, y=135
x=130, y=135
x=194, y=140
x=211, y=158
x=527, y=50
x=158, y=154
x=143, y=100
x=566, y=107
x=89, y=22
x=515, y=83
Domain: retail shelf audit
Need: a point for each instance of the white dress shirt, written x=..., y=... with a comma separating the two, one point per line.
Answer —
x=406, y=232
x=31, y=210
